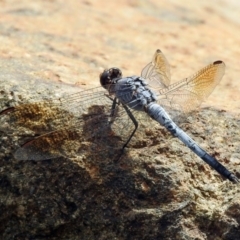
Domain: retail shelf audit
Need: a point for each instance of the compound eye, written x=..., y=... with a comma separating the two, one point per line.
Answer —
x=108, y=75
x=104, y=77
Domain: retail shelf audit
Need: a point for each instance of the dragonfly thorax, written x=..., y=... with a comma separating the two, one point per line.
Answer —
x=110, y=76
x=133, y=92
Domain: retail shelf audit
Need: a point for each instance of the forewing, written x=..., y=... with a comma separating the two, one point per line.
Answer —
x=157, y=72
x=49, y=115
x=96, y=133
x=189, y=93
x=76, y=124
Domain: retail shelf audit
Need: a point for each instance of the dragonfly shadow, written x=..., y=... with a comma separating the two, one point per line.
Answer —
x=60, y=133
x=101, y=141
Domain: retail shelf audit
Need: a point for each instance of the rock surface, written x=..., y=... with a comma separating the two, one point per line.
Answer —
x=159, y=189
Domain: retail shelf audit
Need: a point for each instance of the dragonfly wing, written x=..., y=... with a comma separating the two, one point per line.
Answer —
x=189, y=93
x=99, y=130
x=157, y=72
x=49, y=115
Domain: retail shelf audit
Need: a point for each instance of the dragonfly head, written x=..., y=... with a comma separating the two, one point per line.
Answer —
x=110, y=76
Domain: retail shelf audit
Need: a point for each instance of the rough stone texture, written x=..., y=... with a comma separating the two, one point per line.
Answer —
x=159, y=189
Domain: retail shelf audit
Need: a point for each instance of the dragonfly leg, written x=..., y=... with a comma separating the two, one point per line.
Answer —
x=129, y=114
x=135, y=124
x=112, y=115
x=113, y=109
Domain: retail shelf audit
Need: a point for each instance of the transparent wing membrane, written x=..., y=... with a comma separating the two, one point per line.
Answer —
x=157, y=72
x=68, y=125
x=189, y=93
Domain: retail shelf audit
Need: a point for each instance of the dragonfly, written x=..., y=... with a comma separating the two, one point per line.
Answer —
x=108, y=116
